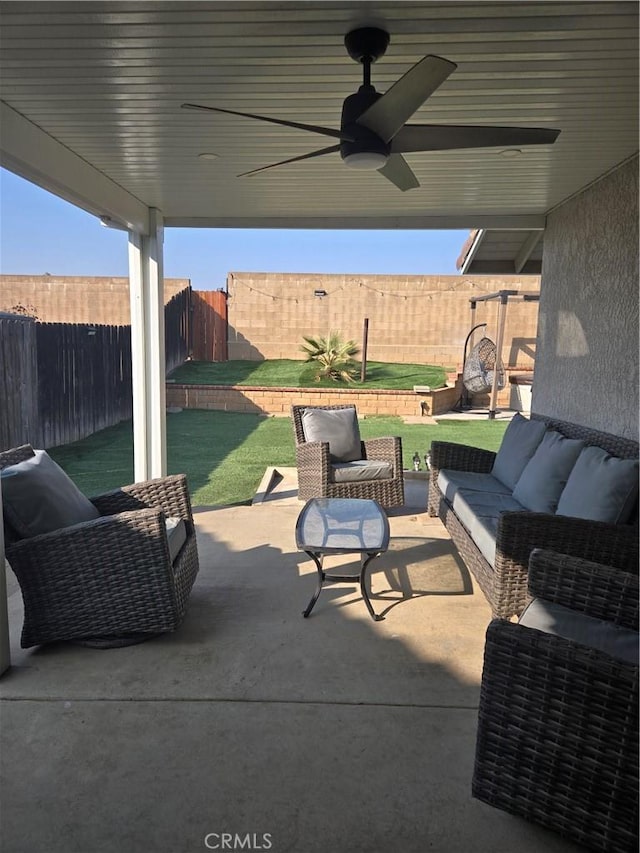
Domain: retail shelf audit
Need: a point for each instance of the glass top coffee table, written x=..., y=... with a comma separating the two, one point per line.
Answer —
x=342, y=526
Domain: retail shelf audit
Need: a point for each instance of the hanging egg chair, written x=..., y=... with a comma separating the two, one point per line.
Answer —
x=480, y=367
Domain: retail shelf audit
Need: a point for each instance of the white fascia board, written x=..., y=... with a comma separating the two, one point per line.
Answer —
x=464, y=269
x=439, y=222
x=31, y=153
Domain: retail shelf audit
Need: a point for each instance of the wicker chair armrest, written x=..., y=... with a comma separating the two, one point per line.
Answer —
x=314, y=449
x=15, y=455
x=313, y=461
x=127, y=542
x=388, y=449
x=515, y=653
x=461, y=457
x=599, y=591
x=170, y=494
x=519, y=533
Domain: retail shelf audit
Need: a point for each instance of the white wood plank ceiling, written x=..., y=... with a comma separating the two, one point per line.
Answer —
x=107, y=80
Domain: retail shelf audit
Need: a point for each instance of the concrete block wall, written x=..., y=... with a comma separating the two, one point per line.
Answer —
x=412, y=319
x=278, y=401
x=102, y=300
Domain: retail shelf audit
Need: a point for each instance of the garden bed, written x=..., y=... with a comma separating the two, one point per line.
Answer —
x=292, y=373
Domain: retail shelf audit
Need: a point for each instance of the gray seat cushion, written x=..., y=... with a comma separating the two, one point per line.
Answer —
x=519, y=443
x=339, y=427
x=176, y=536
x=480, y=514
x=546, y=473
x=39, y=497
x=449, y=481
x=600, y=487
x=361, y=469
x=552, y=618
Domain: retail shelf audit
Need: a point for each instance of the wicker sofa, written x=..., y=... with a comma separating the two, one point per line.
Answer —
x=558, y=717
x=117, y=579
x=504, y=580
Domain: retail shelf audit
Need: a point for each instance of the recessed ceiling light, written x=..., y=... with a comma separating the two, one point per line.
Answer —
x=511, y=152
x=208, y=155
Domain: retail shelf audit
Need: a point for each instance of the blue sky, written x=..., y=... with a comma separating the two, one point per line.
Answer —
x=40, y=233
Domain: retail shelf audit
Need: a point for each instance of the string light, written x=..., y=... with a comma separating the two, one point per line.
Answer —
x=423, y=294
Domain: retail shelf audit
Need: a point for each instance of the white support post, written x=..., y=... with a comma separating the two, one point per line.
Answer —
x=502, y=316
x=146, y=285
x=155, y=350
x=138, y=348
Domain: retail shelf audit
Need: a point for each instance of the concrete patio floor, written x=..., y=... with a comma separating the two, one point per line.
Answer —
x=332, y=734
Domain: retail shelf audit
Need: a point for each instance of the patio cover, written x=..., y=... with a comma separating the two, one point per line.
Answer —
x=90, y=110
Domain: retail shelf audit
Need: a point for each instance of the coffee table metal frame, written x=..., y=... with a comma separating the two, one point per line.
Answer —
x=338, y=517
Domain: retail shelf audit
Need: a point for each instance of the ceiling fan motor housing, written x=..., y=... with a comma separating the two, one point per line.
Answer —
x=366, y=151
x=366, y=44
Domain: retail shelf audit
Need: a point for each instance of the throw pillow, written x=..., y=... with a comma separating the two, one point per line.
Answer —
x=600, y=487
x=546, y=473
x=337, y=426
x=39, y=497
x=519, y=443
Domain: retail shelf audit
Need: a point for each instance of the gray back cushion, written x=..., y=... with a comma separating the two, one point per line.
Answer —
x=38, y=497
x=546, y=473
x=337, y=426
x=600, y=487
x=519, y=443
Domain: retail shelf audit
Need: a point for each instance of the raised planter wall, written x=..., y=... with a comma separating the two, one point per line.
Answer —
x=278, y=401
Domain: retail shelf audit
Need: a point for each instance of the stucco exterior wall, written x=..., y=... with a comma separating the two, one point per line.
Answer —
x=412, y=319
x=102, y=300
x=587, y=366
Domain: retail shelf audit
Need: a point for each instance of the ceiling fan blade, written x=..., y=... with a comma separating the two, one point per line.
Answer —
x=398, y=171
x=319, y=153
x=440, y=137
x=313, y=128
x=387, y=115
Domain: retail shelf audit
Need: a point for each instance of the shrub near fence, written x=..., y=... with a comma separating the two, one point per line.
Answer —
x=61, y=382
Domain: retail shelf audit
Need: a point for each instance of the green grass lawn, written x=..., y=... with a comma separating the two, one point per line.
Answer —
x=225, y=454
x=286, y=372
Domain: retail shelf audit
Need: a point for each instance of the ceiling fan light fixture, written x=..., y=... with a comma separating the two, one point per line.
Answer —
x=366, y=160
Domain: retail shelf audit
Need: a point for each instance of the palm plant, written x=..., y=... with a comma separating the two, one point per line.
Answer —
x=332, y=356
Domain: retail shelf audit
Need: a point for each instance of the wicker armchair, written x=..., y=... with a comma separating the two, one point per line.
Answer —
x=315, y=477
x=558, y=721
x=110, y=581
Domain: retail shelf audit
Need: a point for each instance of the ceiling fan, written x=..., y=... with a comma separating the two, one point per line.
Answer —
x=373, y=133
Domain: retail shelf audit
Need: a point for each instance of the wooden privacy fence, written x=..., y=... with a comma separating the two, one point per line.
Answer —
x=209, y=325
x=84, y=380
x=61, y=382
x=18, y=380
x=177, y=328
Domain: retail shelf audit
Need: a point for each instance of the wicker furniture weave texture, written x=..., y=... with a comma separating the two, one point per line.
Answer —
x=558, y=722
x=107, y=582
x=505, y=583
x=314, y=467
